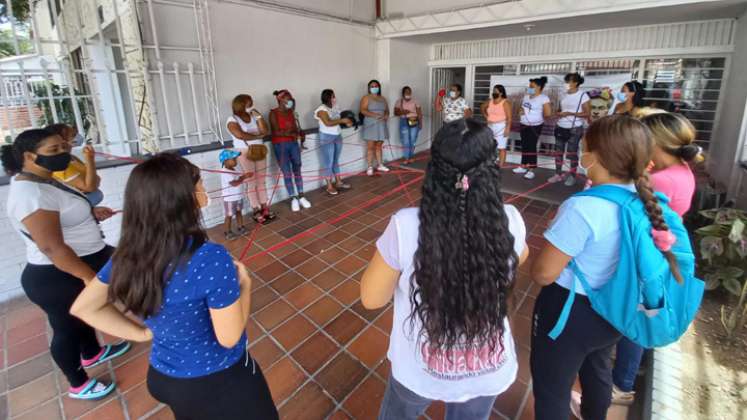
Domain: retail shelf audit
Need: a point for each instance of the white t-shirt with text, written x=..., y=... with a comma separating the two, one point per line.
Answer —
x=533, y=109
x=464, y=374
x=79, y=229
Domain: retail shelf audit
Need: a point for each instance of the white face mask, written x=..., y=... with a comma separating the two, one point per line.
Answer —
x=408, y=97
x=567, y=87
x=580, y=163
x=334, y=102
x=249, y=110
x=452, y=94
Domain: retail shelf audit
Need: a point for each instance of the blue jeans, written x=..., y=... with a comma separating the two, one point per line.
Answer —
x=400, y=403
x=627, y=362
x=408, y=136
x=288, y=155
x=331, y=147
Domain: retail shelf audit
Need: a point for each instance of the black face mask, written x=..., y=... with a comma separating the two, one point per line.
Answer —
x=54, y=163
x=496, y=95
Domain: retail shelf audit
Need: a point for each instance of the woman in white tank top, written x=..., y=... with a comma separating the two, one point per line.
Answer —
x=247, y=129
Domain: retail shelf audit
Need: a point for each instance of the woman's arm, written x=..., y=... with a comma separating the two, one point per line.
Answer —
x=509, y=117
x=93, y=307
x=385, y=116
x=365, y=111
x=468, y=112
x=229, y=323
x=484, y=109
x=585, y=110
x=419, y=111
x=324, y=116
x=549, y=264
x=398, y=112
x=378, y=283
x=46, y=232
x=92, y=180
x=237, y=132
x=547, y=110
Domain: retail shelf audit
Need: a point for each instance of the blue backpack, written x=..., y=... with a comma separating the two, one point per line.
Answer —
x=643, y=300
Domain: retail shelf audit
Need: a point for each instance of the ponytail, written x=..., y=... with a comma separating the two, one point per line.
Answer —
x=653, y=209
x=28, y=141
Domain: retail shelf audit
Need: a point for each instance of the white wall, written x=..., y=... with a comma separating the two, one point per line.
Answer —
x=727, y=146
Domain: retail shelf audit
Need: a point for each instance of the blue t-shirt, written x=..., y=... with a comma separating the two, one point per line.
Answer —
x=588, y=229
x=184, y=342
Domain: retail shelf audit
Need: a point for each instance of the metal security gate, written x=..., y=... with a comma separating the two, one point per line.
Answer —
x=442, y=78
x=108, y=68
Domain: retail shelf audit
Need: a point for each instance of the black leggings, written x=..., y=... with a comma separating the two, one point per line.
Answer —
x=237, y=393
x=584, y=348
x=529, y=136
x=55, y=291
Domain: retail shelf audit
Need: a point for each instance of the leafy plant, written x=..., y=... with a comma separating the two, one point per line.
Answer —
x=63, y=104
x=723, y=249
x=723, y=260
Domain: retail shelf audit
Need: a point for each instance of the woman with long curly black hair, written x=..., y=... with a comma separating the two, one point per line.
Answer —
x=450, y=266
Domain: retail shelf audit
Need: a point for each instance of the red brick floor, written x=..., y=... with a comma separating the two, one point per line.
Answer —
x=323, y=354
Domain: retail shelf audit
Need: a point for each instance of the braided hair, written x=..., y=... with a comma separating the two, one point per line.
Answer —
x=465, y=261
x=624, y=147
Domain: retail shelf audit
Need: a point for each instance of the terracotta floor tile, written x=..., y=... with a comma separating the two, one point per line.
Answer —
x=3, y=383
x=328, y=279
x=271, y=271
x=265, y=352
x=315, y=352
x=27, y=349
x=370, y=347
x=384, y=322
x=318, y=246
x=339, y=415
x=352, y=244
x=163, y=414
x=309, y=403
x=269, y=240
x=368, y=234
x=522, y=353
x=366, y=253
x=23, y=315
x=293, y=332
x=323, y=310
x=345, y=327
x=332, y=255
x=275, y=313
x=509, y=401
x=341, y=376
x=74, y=408
x=521, y=327
x=348, y=292
x=139, y=401
x=32, y=394
x=350, y=226
x=262, y=297
x=47, y=411
x=253, y=331
x=311, y=267
x=528, y=412
x=303, y=295
x=350, y=265
x=384, y=369
x=112, y=410
x=284, y=378
x=287, y=282
x=364, y=403
x=337, y=236
x=136, y=350
x=296, y=258
x=291, y=231
x=436, y=411
x=132, y=373
x=26, y=331
x=368, y=314
x=29, y=370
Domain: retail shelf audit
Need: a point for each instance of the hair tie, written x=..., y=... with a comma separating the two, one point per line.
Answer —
x=462, y=183
x=663, y=239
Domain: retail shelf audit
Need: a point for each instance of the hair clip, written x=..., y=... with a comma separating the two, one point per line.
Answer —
x=462, y=182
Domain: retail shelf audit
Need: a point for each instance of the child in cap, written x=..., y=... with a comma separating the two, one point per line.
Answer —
x=233, y=202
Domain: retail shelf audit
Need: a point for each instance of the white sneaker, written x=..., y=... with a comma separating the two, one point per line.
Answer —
x=570, y=180
x=382, y=168
x=294, y=204
x=304, y=202
x=369, y=171
x=520, y=170
x=529, y=175
x=555, y=178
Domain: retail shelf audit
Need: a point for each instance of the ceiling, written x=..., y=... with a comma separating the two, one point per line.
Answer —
x=669, y=14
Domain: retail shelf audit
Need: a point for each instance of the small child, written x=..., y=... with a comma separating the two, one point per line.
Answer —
x=79, y=174
x=233, y=202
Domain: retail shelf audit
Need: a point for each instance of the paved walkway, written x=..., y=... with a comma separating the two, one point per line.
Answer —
x=323, y=354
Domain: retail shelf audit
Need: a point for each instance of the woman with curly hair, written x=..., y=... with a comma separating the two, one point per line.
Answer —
x=450, y=266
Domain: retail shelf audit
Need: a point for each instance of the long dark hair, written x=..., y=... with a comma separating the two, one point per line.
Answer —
x=624, y=146
x=638, y=92
x=501, y=90
x=327, y=95
x=160, y=231
x=28, y=141
x=465, y=261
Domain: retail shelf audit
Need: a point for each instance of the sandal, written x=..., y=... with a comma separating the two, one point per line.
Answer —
x=331, y=191
x=342, y=185
x=91, y=390
x=268, y=215
x=258, y=217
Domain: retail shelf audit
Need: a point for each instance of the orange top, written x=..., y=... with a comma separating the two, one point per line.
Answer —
x=496, y=112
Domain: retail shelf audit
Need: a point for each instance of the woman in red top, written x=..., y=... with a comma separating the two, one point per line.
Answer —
x=285, y=136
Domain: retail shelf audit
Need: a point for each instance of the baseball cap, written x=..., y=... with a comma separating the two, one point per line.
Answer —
x=227, y=154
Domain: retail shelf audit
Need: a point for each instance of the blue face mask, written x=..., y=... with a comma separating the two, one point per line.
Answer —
x=375, y=90
x=531, y=91
x=289, y=104
x=622, y=96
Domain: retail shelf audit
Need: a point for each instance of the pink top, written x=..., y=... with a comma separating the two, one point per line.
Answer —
x=496, y=112
x=678, y=183
x=410, y=107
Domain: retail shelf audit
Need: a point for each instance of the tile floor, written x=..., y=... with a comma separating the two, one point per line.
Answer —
x=323, y=354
